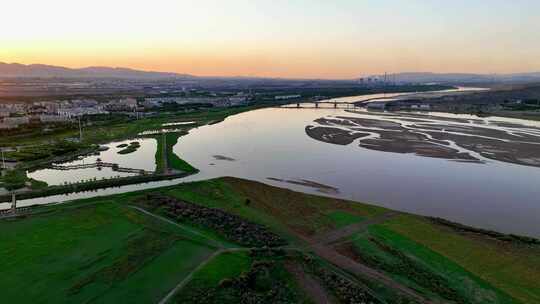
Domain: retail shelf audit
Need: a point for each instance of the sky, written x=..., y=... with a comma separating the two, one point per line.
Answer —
x=279, y=38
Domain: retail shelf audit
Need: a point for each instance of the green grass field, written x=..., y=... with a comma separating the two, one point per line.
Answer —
x=235, y=277
x=513, y=269
x=423, y=269
x=102, y=250
x=342, y=218
x=94, y=252
x=282, y=209
x=223, y=266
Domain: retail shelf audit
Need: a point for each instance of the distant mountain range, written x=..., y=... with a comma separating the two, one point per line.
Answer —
x=421, y=77
x=49, y=71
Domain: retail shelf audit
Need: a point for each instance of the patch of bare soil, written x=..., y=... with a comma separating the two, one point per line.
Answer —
x=433, y=139
x=506, y=151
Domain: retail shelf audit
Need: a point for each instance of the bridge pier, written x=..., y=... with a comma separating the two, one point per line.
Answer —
x=13, y=203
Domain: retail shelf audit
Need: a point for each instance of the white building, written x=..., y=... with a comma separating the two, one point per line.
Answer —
x=84, y=103
x=77, y=112
x=16, y=121
x=53, y=118
x=285, y=97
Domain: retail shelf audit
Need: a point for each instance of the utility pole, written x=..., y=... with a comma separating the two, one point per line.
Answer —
x=165, y=159
x=3, y=160
x=385, y=83
x=80, y=130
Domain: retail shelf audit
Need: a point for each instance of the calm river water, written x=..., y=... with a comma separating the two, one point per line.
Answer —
x=272, y=143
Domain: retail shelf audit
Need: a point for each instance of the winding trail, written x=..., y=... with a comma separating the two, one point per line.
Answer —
x=356, y=268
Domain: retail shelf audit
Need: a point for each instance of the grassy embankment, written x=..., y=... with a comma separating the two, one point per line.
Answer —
x=447, y=264
x=17, y=179
x=94, y=252
x=103, y=249
x=468, y=259
x=415, y=251
x=170, y=159
x=94, y=249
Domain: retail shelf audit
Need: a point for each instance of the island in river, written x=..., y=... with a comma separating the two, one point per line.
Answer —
x=431, y=136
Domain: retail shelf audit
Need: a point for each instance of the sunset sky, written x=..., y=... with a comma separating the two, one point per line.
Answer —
x=280, y=38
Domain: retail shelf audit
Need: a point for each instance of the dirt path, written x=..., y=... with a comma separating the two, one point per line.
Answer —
x=352, y=266
x=341, y=233
x=321, y=247
x=315, y=291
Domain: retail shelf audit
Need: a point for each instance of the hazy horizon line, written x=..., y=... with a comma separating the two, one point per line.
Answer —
x=360, y=75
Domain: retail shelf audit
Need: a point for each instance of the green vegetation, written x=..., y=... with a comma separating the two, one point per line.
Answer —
x=132, y=147
x=280, y=209
x=170, y=159
x=242, y=278
x=46, y=151
x=343, y=218
x=17, y=179
x=421, y=268
x=37, y=148
x=512, y=268
x=103, y=250
x=94, y=252
x=225, y=265
x=117, y=127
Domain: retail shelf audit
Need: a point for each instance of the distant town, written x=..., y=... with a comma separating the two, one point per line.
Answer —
x=14, y=114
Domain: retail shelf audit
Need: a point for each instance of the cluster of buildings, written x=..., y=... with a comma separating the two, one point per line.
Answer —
x=287, y=97
x=398, y=105
x=15, y=115
x=215, y=101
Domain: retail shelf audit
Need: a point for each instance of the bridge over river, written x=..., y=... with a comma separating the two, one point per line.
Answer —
x=332, y=103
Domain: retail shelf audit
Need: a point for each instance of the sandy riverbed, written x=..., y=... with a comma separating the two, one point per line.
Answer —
x=472, y=140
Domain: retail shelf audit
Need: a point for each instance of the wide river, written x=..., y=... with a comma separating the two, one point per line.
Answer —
x=271, y=145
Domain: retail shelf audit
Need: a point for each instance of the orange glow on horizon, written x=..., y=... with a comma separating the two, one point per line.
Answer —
x=300, y=39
